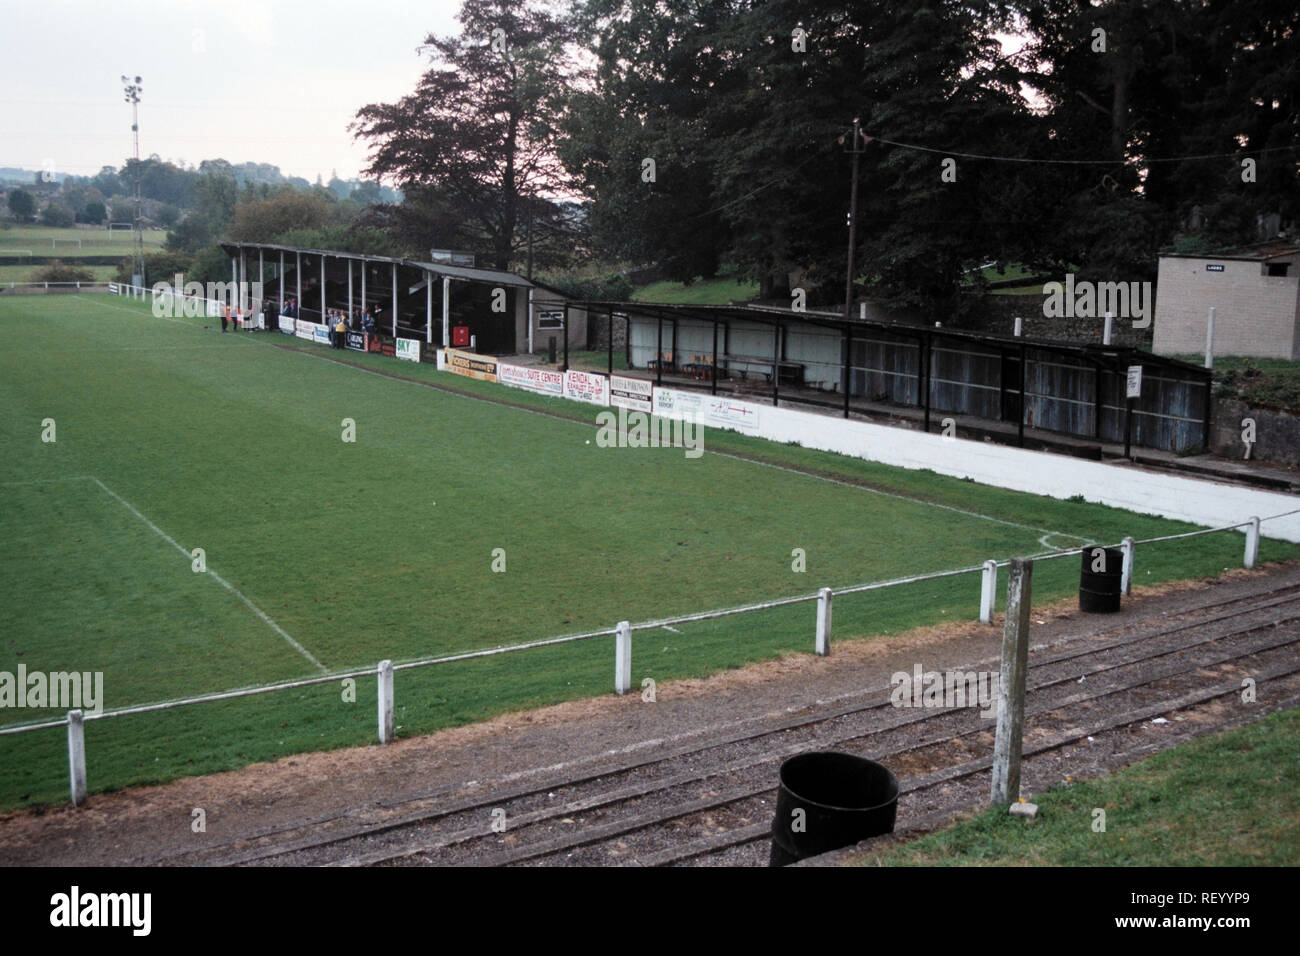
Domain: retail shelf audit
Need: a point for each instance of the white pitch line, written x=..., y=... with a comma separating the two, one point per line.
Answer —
x=217, y=577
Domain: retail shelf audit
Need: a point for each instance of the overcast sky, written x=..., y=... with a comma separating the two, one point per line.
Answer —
x=273, y=82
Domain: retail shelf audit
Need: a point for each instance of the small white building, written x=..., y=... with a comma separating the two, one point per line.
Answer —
x=1255, y=294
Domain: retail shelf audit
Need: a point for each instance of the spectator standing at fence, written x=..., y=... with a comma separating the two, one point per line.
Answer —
x=341, y=330
x=225, y=316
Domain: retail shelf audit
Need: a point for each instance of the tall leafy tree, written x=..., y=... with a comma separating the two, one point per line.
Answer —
x=216, y=194
x=481, y=127
x=22, y=204
x=746, y=101
x=1176, y=94
x=638, y=135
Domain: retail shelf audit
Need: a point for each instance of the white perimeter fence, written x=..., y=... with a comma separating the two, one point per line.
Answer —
x=622, y=633
x=210, y=307
x=21, y=288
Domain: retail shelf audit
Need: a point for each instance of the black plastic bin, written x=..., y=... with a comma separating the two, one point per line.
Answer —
x=1099, y=591
x=844, y=799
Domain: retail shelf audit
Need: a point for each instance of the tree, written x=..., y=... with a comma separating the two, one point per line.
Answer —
x=94, y=212
x=58, y=271
x=22, y=204
x=639, y=133
x=934, y=77
x=482, y=125
x=1177, y=95
x=160, y=265
x=266, y=220
x=216, y=194
x=337, y=186
x=353, y=238
x=741, y=107
x=107, y=181
x=367, y=193
x=58, y=215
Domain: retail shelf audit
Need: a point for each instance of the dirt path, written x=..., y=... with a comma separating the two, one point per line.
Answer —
x=153, y=824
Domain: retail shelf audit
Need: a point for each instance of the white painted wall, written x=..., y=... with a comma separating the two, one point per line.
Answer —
x=1197, y=501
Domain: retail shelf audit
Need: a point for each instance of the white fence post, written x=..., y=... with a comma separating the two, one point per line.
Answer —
x=823, y=622
x=385, y=678
x=1209, y=340
x=1252, y=542
x=77, y=757
x=1126, y=575
x=623, y=657
x=988, y=590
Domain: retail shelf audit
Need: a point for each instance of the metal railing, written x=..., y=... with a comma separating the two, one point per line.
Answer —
x=90, y=285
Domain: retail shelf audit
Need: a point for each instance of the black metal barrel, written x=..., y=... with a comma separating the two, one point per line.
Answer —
x=1100, y=577
x=829, y=800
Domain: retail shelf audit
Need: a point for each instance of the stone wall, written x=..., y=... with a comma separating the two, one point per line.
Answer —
x=1277, y=434
x=997, y=314
x=598, y=332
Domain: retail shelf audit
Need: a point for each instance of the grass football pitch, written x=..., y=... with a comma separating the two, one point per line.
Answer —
x=324, y=555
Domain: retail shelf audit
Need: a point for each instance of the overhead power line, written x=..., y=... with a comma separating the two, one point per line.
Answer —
x=1083, y=162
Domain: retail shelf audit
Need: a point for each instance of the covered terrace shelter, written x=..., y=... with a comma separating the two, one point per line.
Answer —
x=323, y=279
x=860, y=366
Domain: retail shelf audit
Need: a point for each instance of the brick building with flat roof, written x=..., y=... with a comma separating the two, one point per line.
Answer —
x=1255, y=293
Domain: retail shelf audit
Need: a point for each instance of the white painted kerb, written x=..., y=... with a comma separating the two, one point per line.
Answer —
x=1201, y=502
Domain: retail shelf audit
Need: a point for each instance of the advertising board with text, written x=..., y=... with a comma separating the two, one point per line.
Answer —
x=705, y=409
x=586, y=387
x=472, y=365
x=544, y=380
x=636, y=394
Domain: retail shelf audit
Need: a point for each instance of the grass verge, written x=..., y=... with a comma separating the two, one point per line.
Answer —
x=1230, y=799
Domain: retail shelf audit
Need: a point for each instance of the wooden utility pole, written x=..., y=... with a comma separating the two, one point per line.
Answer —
x=857, y=146
x=1009, y=742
